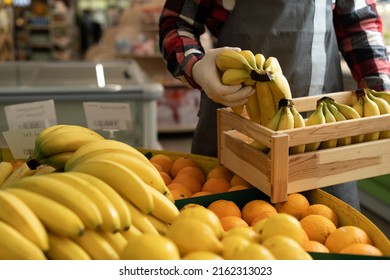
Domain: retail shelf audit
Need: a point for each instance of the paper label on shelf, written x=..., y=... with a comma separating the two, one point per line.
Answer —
x=31, y=115
x=21, y=142
x=108, y=116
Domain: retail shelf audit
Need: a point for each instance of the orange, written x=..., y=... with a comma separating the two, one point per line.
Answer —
x=178, y=194
x=362, y=249
x=345, y=236
x=190, y=205
x=216, y=185
x=180, y=187
x=238, y=180
x=314, y=246
x=158, y=167
x=295, y=205
x=194, y=171
x=255, y=207
x=223, y=208
x=230, y=222
x=321, y=209
x=189, y=181
x=201, y=193
x=180, y=163
x=317, y=227
x=164, y=161
x=166, y=177
x=220, y=171
x=261, y=216
x=237, y=188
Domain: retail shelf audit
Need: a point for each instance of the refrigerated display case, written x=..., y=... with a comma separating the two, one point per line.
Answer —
x=71, y=84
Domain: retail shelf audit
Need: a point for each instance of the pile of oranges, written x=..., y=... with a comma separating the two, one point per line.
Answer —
x=186, y=178
x=322, y=232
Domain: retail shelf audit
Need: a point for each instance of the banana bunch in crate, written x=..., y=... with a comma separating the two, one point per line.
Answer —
x=264, y=74
x=105, y=194
x=368, y=103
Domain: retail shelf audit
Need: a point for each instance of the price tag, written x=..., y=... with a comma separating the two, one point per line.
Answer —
x=31, y=115
x=108, y=116
x=21, y=142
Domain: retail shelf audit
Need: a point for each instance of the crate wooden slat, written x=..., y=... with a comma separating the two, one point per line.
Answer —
x=278, y=173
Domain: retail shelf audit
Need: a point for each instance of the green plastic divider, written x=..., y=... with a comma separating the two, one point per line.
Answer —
x=378, y=187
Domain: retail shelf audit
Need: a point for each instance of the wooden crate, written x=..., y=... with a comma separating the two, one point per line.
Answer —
x=278, y=174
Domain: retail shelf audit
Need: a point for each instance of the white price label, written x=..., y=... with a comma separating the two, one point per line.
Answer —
x=108, y=116
x=31, y=115
x=21, y=142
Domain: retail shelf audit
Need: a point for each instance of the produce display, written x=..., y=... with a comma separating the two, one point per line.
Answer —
x=102, y=199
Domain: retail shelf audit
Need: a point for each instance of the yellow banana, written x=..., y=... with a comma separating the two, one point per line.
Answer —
x=64, y=248
x=116, y=240
x=260, y=59
x=272, y=64
x=63, y=193
x=370, y=109
x=139, y=219
x=146, y=171
x=161, y=226
x=164, y=209
x=6, y=169
x=298, y=122
x=20, y=172
x=381, y=94
x=266, y=102
x=329, y=118
x=15, y=246
x=250, y=57
x=104, y=146
x=110, y=217
x=287, y=118
x=44, y=132
x=57, y=160
x=384, y=108
x=358, y=106
x=280, y=87
x=96, y=246
x=339, y=117
x=231, y=59
x=53, y=215
x=234, y=76
x=125, y=181
x=112, y=195
x=349, y=113
x=252, y=108
x=316, y=117
x=131, y=233
x=17, y=214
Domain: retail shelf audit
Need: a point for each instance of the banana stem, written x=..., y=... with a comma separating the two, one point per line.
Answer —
x=261, y=77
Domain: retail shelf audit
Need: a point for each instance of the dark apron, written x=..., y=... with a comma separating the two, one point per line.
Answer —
x=306, y=49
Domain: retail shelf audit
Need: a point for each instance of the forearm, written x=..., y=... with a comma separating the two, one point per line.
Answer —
x=360, y=39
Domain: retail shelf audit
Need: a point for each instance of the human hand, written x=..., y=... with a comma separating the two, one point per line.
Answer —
x=206, y=74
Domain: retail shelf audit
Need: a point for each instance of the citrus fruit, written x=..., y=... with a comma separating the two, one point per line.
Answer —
x=216, y=185
x=238, y=180
x=201, y=193
x=164, y=161
x=202, y=255
x=237, y=188
x=180, y=187
x=285, y=248
x=189, y=181
x=315, y=246
x=193, y=171
x=252, y=208
x=229, y=222
x=190, y=235
x=205, y=215
x=191, y=205
x=180, y=163
x=178, y=194
x=220, y=171
x=254, y=251
x=321, y=209
x=282, y=224
x=345, y=236
x=223, y=208
x=231, y=245
x=362, y=249
x=295, y=205
x=247, y=232
x=317, y=227
x=166, y=177
x=150, y=247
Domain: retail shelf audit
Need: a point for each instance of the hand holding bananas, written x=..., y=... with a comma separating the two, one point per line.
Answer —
x=207, y=76
x=242, y=67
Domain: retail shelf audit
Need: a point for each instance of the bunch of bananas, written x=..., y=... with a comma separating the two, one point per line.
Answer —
x=107, y=193
x=286, y=117
x=264, y=74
